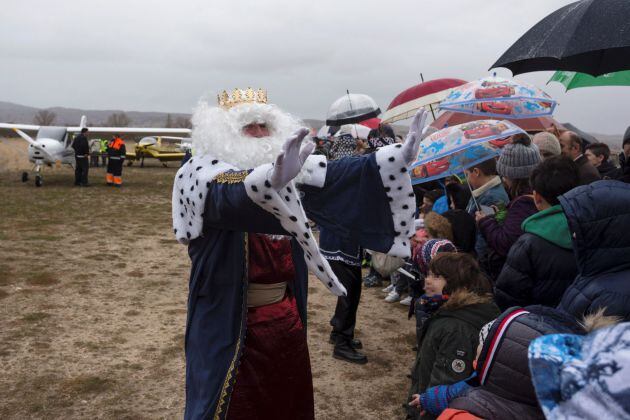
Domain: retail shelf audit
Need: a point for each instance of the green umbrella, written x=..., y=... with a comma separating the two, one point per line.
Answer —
x=572, y=80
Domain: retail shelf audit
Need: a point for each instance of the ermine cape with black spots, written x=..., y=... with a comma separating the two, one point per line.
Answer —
x=367, y=199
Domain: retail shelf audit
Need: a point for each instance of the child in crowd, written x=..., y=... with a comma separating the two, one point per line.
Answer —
x=426, y=304
x=458, y=195
x=448, y=338
x=517, y=161
x=429, y=199
x=541, y=265
x=501, y=385
x=487, y=191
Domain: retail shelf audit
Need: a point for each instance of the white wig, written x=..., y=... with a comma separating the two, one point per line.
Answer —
x=219, y=132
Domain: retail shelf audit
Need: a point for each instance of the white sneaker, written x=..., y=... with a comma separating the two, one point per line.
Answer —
x=392, y=297
x=406, y=301
x=388, y=289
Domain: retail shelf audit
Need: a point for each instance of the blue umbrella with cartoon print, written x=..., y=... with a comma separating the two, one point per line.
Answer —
x=499, y=98
x=453, y=149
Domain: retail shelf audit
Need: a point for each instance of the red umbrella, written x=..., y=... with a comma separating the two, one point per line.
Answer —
x=372, y=123
x=427, y=93
x=532, y=125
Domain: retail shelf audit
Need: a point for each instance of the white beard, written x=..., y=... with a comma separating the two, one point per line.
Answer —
x=219, y=132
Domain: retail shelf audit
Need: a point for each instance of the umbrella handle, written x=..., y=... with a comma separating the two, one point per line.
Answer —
x=473, y=196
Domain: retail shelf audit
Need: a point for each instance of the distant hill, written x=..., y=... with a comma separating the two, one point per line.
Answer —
x=15, y=113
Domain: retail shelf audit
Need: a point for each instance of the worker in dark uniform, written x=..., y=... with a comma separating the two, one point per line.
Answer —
x=81, y=156
x=116, y=153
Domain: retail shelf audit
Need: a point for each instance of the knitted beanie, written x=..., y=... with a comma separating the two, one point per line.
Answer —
x=430, y=249
x=547, y=142
x=518, y=159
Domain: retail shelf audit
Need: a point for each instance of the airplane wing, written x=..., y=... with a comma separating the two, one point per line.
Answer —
x=133, y=130
x=24, y=127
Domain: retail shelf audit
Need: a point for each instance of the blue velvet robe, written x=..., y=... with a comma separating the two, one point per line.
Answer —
x=352, y=210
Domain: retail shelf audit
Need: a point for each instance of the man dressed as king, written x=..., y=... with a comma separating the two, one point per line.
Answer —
x=242, y=205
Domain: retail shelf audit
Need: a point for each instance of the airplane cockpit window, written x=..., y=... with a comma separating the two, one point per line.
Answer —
x=56, y=133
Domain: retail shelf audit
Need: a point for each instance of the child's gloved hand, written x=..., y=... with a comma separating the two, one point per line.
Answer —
x=415, y=402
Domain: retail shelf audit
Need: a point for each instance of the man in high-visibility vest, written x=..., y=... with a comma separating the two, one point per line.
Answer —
x=103, y=151
x=116, y=151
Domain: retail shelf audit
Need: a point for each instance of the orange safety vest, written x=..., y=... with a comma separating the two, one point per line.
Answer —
x=117, y=143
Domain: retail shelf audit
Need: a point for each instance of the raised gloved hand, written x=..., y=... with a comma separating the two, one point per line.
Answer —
x=289, y=163
x=417, y=131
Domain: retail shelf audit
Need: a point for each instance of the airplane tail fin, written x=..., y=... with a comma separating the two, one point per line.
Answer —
x=83, y=123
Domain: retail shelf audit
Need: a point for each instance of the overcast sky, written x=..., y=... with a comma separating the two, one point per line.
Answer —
x=165, y=56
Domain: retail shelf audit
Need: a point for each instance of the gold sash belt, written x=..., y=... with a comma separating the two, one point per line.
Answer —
x=265, y=294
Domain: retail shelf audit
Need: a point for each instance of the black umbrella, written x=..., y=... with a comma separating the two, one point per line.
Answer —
x=589, y=36
x=586, y=137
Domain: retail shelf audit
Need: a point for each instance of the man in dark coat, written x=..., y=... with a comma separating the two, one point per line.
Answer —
x=598, y=154
x=599, y=216
x=540, y=265
x=81, y=155
x=624, y=157
x=571, y=145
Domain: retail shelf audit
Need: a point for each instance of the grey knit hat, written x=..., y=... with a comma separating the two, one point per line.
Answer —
x=518, y=159
x=547, y=142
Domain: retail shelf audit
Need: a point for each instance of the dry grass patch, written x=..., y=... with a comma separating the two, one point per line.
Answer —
x=89, y=346
x=6, y=275
x=135, y=273
x=35, y=317
x=176, y=311
x=3, y=294
x=41, y=279
x=86, y=384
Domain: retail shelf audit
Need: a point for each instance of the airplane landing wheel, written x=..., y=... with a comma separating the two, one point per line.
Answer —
x=38, y=181
x=24, y=176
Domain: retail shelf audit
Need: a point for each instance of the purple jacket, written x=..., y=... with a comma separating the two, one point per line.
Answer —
x=501, y=237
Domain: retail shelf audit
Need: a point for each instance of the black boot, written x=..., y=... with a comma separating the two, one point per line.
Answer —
x=344, y=351
x=355, y=343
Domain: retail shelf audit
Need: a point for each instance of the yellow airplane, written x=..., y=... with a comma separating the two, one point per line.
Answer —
x=153, y=147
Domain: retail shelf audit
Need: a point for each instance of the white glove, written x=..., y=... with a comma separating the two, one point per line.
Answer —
x=289, y=163
x=417, y=131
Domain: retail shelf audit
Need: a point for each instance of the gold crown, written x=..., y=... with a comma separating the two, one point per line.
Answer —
x=240, y=96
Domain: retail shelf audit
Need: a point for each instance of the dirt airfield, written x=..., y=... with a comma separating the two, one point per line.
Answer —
x=93, y=290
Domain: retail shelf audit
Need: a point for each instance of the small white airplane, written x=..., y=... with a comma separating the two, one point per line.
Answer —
x=52, y=145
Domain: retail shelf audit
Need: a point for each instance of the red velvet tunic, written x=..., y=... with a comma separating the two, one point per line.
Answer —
x=274, y=378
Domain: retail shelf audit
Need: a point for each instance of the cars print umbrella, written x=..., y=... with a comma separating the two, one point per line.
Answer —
x=453, y=149
x=531, y=125
x=500, y=98
x=352, y=108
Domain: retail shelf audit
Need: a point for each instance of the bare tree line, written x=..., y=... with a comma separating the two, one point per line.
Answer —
x=46, y=117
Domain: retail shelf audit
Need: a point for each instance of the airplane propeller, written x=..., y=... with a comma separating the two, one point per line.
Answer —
x=33, y=143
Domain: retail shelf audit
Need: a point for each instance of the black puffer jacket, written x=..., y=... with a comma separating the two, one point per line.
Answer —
x=540, y=265
x=599, y=218
x=504, y=388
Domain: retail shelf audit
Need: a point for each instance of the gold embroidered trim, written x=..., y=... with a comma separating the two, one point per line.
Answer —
x=232, y=371
x=231, y=177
